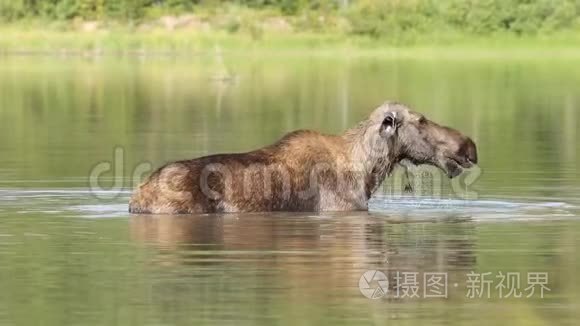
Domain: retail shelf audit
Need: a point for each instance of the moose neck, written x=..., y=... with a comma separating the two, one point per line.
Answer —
x=373, y=156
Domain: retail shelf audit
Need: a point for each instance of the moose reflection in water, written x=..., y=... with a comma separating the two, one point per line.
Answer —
x=315, y=253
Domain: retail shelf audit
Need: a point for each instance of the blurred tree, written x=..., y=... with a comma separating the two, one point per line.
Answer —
x=384, y=18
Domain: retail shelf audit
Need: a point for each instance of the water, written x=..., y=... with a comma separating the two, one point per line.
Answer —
x=77, y=133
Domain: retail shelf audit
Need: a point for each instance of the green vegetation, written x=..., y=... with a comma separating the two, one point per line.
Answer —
x=369, y=17
x=184, y=24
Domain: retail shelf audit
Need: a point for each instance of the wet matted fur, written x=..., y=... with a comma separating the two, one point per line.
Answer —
x=306, y=170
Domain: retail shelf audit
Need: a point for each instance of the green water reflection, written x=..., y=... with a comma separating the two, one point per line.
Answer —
x=68, y=257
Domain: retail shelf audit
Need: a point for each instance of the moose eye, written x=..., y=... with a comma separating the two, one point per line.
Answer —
x=389, y=121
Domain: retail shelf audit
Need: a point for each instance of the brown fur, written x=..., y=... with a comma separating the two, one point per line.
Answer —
x=305, y=170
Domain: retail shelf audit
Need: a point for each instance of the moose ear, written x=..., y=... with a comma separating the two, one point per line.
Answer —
x=389, y=125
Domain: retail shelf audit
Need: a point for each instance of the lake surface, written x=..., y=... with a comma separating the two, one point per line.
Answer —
x=77, y=133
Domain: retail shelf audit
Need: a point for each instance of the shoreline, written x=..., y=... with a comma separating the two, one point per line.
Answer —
x=17, y=40
x=413, y=53
x=361, y=28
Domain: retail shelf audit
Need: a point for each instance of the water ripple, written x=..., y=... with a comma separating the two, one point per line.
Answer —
x=82, y=203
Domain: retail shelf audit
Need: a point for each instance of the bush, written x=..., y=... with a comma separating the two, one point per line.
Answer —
x=393, y=19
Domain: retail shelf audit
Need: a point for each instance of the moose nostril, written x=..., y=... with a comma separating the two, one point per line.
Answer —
x=470, y=150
